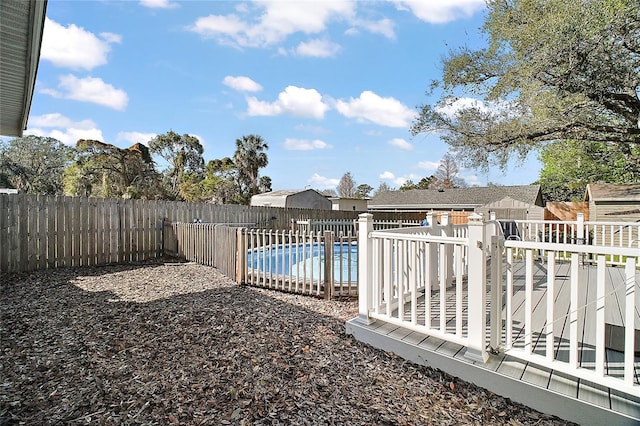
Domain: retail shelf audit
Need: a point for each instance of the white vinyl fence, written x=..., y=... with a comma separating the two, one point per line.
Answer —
x=320, y=264
x=441, y=281
x=610, y=234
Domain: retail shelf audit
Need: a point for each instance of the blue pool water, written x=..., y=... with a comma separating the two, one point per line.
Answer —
x=297, y=260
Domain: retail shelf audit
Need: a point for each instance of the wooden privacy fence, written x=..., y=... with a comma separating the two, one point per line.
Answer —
x=38, y=232
x=211, y=244
x=320, y=264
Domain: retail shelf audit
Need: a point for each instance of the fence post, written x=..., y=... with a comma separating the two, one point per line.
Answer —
x=241, y=256
x=365, y=267
x=447, y=231
x=580, y=228
x=495, y=320
x=328, y=265
x=477, y=295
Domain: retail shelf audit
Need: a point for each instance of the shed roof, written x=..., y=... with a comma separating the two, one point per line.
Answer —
x=601, y=192
x=281, y=193
x=21, y=26
x=455, y=198
x=279, y=198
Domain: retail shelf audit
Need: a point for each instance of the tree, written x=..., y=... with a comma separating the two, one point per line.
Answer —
x=109, y=171
x=249, y=158
x=34, y=164
x=183, y=154
x=328, y=192
x=424, y=183
x=363, y=190
x=347, y=186
x=220, y=185
x=446, y=175
x=383, y=187
x=568, y=166
x=552, y=70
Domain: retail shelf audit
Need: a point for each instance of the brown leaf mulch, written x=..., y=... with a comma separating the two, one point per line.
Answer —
x=179, y=343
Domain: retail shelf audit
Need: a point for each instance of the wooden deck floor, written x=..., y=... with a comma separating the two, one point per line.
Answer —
x=539, y=387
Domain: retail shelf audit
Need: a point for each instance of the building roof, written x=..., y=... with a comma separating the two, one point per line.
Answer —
x=279, y=198
x=281, y=193
x=21, y=26
x=458, y=198
x=602, y=192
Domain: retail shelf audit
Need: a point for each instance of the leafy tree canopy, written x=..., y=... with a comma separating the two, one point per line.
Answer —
x=109, y=171
x=249, y=158
x=363, y=190
x=553, y=70
x=568, y=166
x=34, y=164
x=424, y=183
x=183, y=154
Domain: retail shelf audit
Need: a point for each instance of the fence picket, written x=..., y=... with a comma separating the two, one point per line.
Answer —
x=4, y=232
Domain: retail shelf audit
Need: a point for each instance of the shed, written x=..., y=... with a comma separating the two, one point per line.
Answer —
x=508, y=208
x=349, y=204
x=301, y=199
x=610, y=202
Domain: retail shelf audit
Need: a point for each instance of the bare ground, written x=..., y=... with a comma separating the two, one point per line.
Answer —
x=179, y=343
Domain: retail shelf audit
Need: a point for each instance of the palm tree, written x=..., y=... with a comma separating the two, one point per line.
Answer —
x=249, y=158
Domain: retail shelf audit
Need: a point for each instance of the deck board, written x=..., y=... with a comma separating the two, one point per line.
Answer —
x=527, y=373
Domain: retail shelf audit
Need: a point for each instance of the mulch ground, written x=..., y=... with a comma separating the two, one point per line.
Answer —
x=179, y=343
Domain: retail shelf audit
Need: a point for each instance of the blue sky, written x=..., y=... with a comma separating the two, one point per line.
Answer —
x=332, y=86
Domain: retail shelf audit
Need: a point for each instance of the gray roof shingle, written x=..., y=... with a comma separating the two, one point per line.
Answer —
x=458, y=197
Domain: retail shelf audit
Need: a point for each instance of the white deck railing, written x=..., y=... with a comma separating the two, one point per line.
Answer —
x=610, y=234
x=434, y=280
x=572, y=340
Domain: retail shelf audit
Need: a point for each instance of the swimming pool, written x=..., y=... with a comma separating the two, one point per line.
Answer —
x=306, y=260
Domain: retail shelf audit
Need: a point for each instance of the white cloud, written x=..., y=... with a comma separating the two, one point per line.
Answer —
x=385, y=26
x=438, y=12
x=64, y=129
x=242, y=84
x=305, y=144
x=401, y=144
x=224, y=28
x=89, y=89
x=390, y=177
x=296, y=101
x=429, y=165
x=472, y=180
x=159, y=4
x=322, y=182
x=452, y=106
x=135, y=137
x=318, y=49
x=273, y=22
x=74, y=47
x=111, y=37
x=382, y=111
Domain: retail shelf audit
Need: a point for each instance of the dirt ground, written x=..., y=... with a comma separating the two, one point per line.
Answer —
x=179, y=343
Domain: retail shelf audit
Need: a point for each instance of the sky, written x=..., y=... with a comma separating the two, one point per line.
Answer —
x=331, y=86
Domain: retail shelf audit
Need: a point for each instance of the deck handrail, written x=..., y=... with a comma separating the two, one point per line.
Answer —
x=400, y=266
